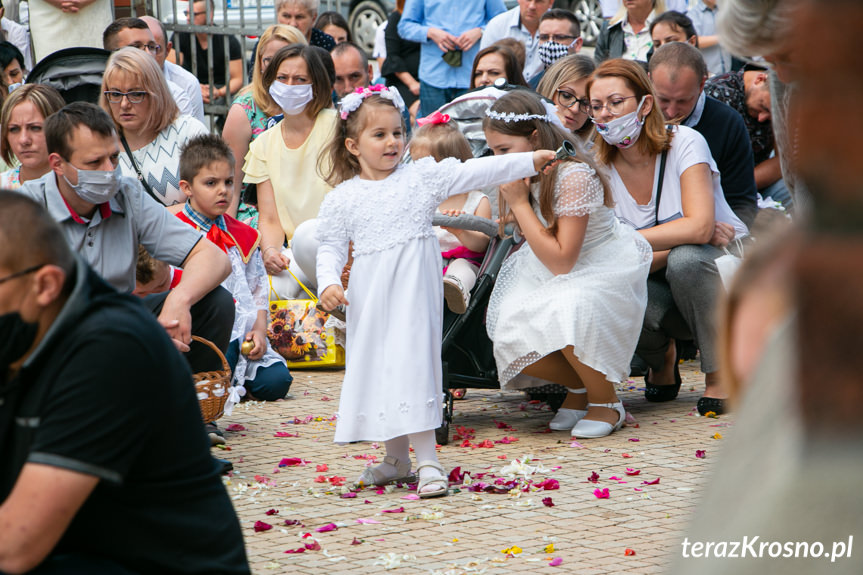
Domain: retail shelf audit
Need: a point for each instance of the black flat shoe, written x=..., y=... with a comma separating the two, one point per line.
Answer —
x=707, y=404
x=660, y=393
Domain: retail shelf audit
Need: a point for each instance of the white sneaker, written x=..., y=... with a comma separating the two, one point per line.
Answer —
x=457, y=298
x=566, y=418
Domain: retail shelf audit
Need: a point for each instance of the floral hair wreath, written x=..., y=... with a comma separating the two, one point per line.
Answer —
x=550, y=116
x=352, y=101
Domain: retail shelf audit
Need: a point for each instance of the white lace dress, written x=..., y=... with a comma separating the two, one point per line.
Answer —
x=392, y=383
x=598, y=307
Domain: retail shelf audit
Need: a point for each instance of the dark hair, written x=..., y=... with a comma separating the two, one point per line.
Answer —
x=334, y=19
x=9, y=52
x=29, y=236
x=510, y=65
x=109, y=36
x=561, y=14
x=543, y=135
x=345, y=46
x=322, y=73
x=201, y=151
x=679, y=55
x=59, y=127
x=517, y=47
x=678, y=22
x=335, y=163
x=441, y=141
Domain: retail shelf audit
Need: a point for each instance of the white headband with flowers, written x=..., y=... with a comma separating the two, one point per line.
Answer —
x=352, y=101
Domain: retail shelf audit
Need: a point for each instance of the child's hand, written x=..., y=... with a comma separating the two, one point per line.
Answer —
x=515, y=193
x=260, y=341
x=274, y=261
x=332, y=297
x=543, y=160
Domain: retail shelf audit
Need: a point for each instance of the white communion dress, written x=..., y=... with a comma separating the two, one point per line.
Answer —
x=393, y=380
x=598, y=307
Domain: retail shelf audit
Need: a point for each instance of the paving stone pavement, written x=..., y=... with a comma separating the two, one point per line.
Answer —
x=467, y=531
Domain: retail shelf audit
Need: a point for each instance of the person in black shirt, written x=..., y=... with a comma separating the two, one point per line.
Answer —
x=224, y=87
x=678, y=72
x=105, y=465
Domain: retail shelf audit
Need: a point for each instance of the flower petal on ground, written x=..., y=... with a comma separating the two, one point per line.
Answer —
x=631, y=471
x=272, y=512
x=261, y=526
x=548, y=503
x=700, y=453
x=654, y=482
x=367, y=521
x=594, y=477
x=396, y=510
x=602, y=493
x=323, y=467
x=555, y=562
x=629, y=552
x=235, y=427
x=327, y=527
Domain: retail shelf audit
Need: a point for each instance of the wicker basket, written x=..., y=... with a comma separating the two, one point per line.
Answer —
x=212, y=387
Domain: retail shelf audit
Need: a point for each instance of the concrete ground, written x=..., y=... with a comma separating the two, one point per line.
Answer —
x=653, y=469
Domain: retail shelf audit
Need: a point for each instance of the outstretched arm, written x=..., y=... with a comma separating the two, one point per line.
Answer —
x=495, y=170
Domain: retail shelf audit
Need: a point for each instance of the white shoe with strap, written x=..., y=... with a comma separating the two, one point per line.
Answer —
x=591, y=429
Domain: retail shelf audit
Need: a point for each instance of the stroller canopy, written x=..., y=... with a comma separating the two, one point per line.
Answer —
x=75, y=72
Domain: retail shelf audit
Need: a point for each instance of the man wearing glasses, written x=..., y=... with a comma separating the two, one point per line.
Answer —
x=521, y=23
x=559, y=35
x=134, y=32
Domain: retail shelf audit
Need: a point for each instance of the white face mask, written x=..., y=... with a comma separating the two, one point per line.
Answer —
x=622, y=132
x=292, y=99
x=96, y=186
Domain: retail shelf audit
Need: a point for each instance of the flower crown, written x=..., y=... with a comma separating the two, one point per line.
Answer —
x=352, y=101
x=549, y=117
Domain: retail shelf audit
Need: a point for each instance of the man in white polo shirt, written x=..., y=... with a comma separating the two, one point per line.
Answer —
x=521, y=23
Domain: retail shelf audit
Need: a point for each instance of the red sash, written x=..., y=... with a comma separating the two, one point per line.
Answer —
x=244, y=237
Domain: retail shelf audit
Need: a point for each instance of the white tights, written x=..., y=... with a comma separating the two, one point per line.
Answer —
x=424, y=448
x=465, y=271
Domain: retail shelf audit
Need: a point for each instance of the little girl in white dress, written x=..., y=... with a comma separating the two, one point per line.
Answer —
x=392, y=390
x=568, y=306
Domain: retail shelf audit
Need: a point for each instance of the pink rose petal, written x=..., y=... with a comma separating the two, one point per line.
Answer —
x=631, y=471
x=700, y=453
x=396, y=510
x=235, y=427
x=327, y=527
x=547, y=502
x=411, y=497
x=350, y=495
x=298, y=550
x=654, y=482
x=555, y=562
x=272, y=512
x=602, y=493
x=594, y=477
x=367, y=521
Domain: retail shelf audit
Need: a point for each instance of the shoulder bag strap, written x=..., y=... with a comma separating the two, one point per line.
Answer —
x=662, y=160
x=141, y=178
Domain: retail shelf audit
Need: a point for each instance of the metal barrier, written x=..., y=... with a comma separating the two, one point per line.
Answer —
x=244, y=19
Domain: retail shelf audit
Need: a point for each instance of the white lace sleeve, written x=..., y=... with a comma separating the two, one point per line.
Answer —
x=255, y=274
x=578, y=190
x=332, y=219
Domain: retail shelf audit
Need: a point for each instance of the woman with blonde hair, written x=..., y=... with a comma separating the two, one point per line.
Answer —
x=251, y=109
x=151, y=129
x=627, y=34
x=666, y=185
x=565, y=84
x=22, y=138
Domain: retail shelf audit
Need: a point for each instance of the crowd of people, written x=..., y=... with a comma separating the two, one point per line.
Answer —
x=131, y=200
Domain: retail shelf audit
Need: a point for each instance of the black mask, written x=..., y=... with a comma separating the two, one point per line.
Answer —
x=16, y=337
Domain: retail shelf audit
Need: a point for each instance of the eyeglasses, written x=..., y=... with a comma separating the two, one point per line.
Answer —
x=23, y=272
x=135, y=97
x=152, y=48
x=559, y=38
x=568, y=100
x=614, y=107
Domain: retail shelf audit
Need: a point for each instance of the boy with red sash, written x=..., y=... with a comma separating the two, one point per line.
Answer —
x=207, y=179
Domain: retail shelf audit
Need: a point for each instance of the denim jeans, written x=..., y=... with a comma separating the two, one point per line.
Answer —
x=432, y=98
x=270, y=383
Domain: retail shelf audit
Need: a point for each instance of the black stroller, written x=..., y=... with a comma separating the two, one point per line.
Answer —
x=75, y=72
x=466, y=351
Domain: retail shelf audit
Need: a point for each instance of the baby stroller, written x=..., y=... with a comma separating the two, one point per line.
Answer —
x=75, y=72
x=466, y=351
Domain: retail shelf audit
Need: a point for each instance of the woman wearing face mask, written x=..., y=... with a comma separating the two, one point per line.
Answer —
x=282, y=161
x=565, y=84
x=247, y=118
x=665, y=184
x=22, y=138
x=152, y=131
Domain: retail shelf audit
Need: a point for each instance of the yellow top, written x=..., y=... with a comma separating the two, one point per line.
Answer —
x=297, y=187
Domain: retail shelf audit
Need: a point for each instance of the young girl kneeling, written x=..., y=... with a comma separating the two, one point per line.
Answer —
x=568, y=306
x=392, y=389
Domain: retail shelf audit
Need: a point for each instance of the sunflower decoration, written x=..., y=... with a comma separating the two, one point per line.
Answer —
x=299, y=348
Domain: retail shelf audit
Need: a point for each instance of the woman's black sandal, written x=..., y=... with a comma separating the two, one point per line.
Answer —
x=706, y=405
x=660, y=393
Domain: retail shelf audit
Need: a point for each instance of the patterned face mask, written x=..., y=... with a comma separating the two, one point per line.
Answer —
x=551, y=52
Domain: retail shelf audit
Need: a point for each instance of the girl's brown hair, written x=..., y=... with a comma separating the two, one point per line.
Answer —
x=543, y=135
x=441, y=141
x=318, y=67
x=655, y=135
x=335, y=163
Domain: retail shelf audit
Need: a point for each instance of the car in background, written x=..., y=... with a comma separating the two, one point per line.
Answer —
x=589, y=14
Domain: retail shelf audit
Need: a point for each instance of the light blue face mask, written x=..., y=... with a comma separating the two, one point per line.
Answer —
x=96, y=186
